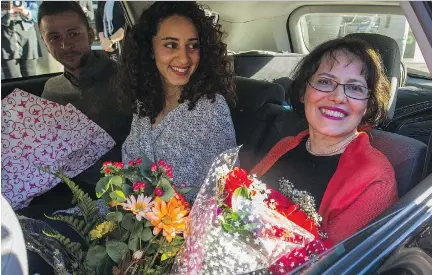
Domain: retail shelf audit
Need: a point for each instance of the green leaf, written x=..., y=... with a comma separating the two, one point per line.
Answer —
x=167, y=188
x=146, y=234
x=116, y=181
x=116, y=250
x=95, y=255
x=164, y=257
x=228, y=227
x=106, y=197
x=136, y=231
x=235, y=216
x=145, y=166
x=105, y=267
x=184, y=190
x=127, y=190
x=128, y=221
x=114, y=216
x=148, y=224
x=118, y=195
x=148, y=191
x=241, y=192
x=133, y=243
x=102, y=186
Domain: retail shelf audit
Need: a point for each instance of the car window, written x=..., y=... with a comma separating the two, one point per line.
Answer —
x=319, y=27
x=23, y=50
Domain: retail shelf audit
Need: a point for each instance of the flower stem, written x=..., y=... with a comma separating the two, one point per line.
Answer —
x=161, y=244
x=127, y=269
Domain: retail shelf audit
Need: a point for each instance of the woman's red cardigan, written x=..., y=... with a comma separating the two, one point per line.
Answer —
x=362, y=187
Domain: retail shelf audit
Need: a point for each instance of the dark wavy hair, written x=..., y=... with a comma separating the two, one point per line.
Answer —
x=138, y=82
x=372, y=70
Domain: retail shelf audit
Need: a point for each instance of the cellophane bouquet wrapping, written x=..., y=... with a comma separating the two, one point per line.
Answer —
x=238, y=225
x=36, y=133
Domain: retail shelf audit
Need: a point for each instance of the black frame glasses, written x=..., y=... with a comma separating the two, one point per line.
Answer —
x=344, y=89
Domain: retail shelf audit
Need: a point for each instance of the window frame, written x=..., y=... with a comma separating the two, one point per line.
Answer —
x=294, y=27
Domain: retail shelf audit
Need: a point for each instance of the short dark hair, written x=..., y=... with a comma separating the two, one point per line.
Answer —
x=372, y=70
x=48, y=8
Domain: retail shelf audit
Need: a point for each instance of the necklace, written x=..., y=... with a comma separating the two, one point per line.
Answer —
x=344, y=143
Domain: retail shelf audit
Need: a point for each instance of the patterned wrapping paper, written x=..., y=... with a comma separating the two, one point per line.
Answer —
x=209, y=250
x=39, y=133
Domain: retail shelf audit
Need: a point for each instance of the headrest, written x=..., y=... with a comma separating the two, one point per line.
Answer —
x=265, y=65
x=388, y=48
x=252, y=94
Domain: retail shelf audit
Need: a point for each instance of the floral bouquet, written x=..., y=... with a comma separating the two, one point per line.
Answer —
x=143, y=230
x=238, y=225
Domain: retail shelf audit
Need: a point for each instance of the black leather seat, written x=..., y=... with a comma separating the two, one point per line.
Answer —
x=258, y=104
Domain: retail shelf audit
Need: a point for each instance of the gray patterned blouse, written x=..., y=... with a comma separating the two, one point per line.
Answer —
x=186, y=140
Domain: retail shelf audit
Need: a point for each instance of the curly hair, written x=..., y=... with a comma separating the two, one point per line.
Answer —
x=372, y=70
x=138, y=81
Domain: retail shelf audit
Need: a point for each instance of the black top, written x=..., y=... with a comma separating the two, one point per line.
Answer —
x=307, y=172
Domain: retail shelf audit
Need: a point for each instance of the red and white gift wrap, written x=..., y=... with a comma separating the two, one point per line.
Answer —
x=36, y=132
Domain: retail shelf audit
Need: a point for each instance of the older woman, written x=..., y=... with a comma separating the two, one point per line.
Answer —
x=342, y=90
x=175, y=75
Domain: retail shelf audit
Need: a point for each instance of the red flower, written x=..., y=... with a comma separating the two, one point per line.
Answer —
x=169, y=174
x=106, y=163
x=161, y=163
x=138, y=161
x=139, y=185
x=168, y=167
x=119, y=165
x=182, y=199
x=158, y=191
x=131, y=163
x=153, y=167
x=236, y=178
x=107, y=170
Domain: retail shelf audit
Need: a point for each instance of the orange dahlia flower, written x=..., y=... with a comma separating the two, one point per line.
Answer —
x=169, y=217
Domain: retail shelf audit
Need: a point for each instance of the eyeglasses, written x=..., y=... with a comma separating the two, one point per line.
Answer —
x=328, y=85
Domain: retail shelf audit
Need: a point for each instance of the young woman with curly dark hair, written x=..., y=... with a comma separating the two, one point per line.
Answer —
x=342, y=90
x=175, y=77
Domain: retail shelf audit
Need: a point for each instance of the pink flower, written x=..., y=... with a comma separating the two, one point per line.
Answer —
x=119, y=165
x=153, y=167
x=106, y=163
x=161, y=163
x=139, y=185
x=169, y=174
x=138, y=161
x=107, y=170
x=131, y=163
x=158, y=191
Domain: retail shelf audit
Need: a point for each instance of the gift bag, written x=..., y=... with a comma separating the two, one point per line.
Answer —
x=38, y=133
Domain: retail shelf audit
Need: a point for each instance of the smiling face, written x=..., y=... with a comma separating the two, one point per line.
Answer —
x=67, y=39
x=176, y=50
x=334, y=114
